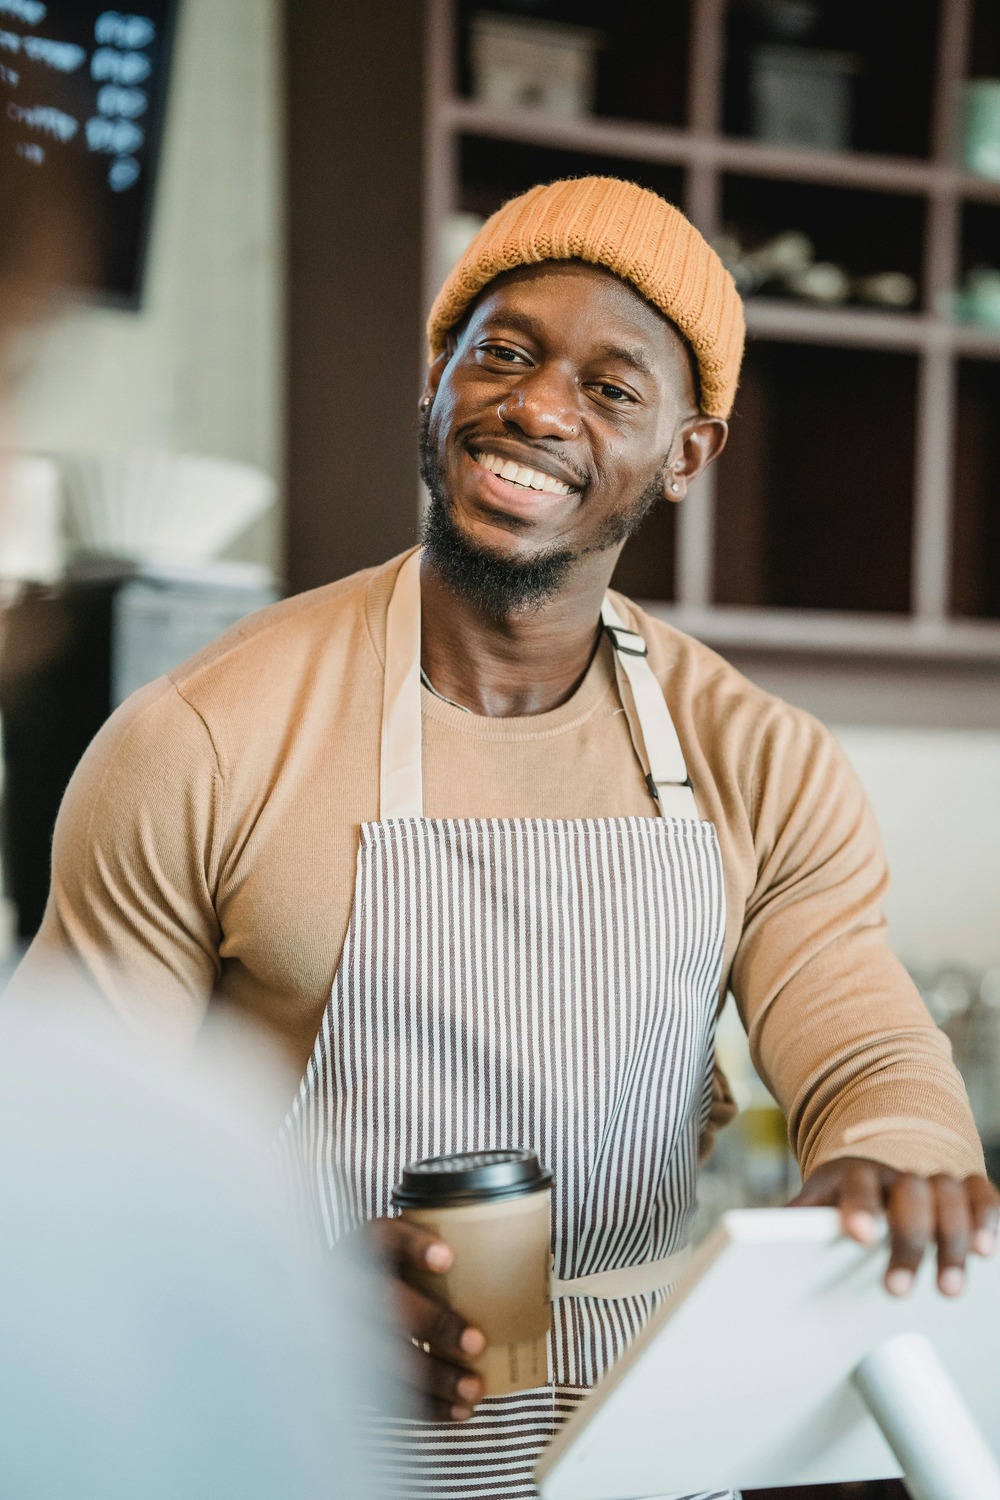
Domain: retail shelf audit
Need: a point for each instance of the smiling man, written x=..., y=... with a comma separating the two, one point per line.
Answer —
x=486, y=846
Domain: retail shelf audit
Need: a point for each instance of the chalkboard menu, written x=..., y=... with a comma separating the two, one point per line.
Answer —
x=89, y=84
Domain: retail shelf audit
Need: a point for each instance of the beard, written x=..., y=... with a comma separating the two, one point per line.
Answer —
x=501, y=586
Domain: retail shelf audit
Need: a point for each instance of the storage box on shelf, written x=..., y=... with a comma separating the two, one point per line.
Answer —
x=854, y=509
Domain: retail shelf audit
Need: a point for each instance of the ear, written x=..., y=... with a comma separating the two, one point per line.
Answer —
x=435, y=370
x=699, y=442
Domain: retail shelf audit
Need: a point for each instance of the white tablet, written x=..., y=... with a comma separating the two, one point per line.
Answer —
x=744, y=1377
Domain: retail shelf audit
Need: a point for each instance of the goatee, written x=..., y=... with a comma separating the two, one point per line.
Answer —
x=501, y=586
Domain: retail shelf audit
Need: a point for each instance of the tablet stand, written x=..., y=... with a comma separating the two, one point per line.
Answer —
x=928, y=1426
x=780, y=1360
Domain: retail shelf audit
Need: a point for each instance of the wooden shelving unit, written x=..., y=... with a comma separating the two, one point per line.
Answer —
x=856, y=510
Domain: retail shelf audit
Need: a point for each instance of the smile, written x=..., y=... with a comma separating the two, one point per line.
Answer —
x=523, y=478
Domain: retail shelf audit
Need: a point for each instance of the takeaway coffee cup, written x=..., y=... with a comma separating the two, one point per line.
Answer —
x=492, y=1208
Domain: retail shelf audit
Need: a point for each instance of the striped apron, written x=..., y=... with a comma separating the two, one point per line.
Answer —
x=550, y=984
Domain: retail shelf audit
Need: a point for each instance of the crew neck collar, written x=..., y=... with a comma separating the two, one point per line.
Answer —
x=597, y=682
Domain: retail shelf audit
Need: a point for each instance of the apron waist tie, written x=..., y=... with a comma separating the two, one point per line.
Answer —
x=626, y=1281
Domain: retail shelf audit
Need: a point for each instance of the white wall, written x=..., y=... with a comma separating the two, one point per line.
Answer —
x=936, y=794
x=199, y=368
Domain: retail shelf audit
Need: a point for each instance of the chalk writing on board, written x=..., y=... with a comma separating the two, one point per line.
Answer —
x=65, y=57
x=119, y=67
x=117, y=137
x=123, y=174
x=80, y=78
x=28, y=11
x=116, y=30
x=129, y=103
x=46, y=119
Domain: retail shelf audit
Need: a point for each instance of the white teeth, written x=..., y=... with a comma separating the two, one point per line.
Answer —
x=529, y=479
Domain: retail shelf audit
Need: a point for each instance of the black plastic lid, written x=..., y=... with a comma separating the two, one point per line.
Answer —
x=470, y=1177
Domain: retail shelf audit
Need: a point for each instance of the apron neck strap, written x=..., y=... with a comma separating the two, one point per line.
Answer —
x=401, y=782
x=654, y=737
x=401, y=769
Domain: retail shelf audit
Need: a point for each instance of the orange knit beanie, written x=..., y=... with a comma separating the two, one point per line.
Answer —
x=634, y=233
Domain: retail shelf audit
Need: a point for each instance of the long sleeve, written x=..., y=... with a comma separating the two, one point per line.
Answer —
x=837, y=1029
x=134, y=865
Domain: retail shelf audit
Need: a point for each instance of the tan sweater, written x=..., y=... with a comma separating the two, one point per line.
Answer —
x=206, y=849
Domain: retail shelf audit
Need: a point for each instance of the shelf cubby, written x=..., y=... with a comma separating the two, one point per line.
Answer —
x=984, y=46
x=492, y=171
x=864, y=232
x=980, y=237
x=894, y=65
x=648, y=564
x=641, y=62
x=975, y=582
x=815, y=489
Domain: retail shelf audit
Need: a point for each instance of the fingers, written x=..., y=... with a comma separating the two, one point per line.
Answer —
x=446, y=1392
x=956, y=1217
x=984, y=1206
x=404, y=1246
x=419, y=1384
x=911, y=1219
x=433, y=1323
x=862, y=1201
x=434, y=1357
x=432, y=1345
x=954, y=1233
x=854, y=1186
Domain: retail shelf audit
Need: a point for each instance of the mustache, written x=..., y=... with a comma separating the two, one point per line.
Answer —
x=478, y=439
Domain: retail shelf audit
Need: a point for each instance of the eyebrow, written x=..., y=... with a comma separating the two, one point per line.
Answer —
x=629, y=355
x=626, y=354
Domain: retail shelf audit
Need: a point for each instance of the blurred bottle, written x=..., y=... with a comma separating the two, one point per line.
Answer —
x=974, y=1033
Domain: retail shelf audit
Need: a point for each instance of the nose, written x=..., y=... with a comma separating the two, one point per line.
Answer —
x=544, y=404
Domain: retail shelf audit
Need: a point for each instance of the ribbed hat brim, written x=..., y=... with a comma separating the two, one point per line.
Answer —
x=634, y=233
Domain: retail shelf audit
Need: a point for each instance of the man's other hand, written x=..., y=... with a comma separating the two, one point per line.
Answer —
x=430, y=1345
x=956, y=1217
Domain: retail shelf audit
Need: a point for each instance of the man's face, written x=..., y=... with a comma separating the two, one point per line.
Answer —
x=563, y=372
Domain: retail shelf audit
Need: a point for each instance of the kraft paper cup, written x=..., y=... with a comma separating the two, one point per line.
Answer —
x=493, y=1209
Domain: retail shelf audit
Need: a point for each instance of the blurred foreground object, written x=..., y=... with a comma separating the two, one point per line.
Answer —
x=163, y=1331
x=149, y=504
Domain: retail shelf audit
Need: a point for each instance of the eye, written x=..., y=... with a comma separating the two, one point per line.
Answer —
x=502, y=353
x=616, y=394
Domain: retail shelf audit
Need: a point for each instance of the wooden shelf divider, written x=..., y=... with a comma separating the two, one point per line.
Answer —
x=673, y=146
